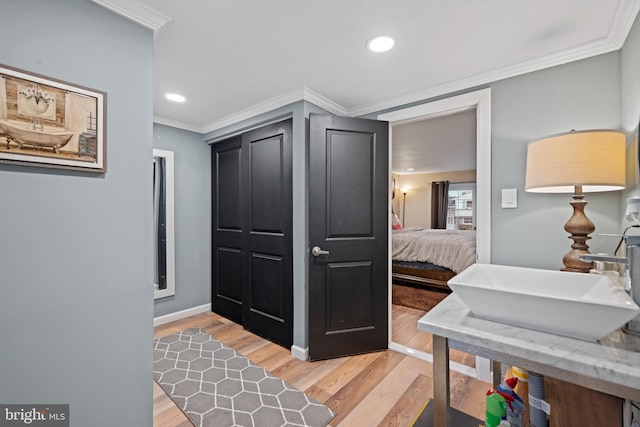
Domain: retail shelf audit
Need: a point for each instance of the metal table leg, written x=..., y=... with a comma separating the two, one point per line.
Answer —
x=441, y=412
x=496, y=368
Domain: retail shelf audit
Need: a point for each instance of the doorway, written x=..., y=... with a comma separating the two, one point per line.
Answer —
x=481, y=102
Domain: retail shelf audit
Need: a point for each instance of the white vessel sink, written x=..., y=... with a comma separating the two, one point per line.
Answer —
x=578, y=305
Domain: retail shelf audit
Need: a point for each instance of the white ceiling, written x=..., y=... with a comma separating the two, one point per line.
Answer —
x=235, y=58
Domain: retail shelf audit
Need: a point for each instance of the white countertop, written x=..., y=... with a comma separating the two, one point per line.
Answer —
x=614, y=359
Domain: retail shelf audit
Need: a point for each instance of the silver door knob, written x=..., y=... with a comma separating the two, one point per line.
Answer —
x=316, y=251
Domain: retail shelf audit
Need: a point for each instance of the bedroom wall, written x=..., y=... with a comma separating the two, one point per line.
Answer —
x=418, y=198
x=192, y=180
x=76, y=306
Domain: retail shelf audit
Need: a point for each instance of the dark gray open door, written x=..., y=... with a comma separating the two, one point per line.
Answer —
x=348, y=226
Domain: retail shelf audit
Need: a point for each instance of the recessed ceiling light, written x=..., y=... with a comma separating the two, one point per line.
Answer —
x=175, y=97
x=409, y=169
x=380, y=44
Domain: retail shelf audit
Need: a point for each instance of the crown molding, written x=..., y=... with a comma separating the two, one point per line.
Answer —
x=323, y=102
x=139, y=13
x=621, y=24
x=582, y=51
x=254, y=110
x=623, y=21
x=161, y=120
x=299, y=94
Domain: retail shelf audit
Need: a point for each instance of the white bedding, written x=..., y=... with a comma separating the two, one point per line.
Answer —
x=453, y=249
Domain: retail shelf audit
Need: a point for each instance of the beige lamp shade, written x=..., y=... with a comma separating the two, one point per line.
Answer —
x=593, y=159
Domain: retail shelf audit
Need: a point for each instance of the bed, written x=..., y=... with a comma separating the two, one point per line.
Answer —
x=430, y=257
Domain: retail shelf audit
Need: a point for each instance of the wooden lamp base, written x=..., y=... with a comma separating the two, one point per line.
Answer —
x=579, y=226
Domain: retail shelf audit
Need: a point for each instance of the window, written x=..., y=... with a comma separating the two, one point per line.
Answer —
x=461, y=213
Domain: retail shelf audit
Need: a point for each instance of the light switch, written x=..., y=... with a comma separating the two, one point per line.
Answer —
x=509, y=198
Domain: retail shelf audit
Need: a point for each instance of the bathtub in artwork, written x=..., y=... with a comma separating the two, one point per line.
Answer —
x=22, y=133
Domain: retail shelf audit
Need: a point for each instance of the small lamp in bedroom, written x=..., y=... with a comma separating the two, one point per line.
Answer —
x=577, y=162
x=404, y=202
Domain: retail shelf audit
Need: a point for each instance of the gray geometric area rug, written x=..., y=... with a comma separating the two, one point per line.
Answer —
x=215, y=386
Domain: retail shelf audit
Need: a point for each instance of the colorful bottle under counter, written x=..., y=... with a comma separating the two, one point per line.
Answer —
x=521, y=389
x=515, y=407
x=496, y=409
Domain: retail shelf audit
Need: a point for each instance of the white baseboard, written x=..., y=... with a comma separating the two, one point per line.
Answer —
x=299, y=352
x=171, y=317
x=401, y=348
x=428, y=357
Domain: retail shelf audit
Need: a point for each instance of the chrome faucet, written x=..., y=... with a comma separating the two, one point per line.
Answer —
x=632, y=273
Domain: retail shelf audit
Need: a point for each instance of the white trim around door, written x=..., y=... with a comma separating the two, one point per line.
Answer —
x=479, y=100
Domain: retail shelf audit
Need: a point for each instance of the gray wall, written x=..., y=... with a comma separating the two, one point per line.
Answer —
x=630, y=69
x=580, y=95
x=630, y=64
x=76, y=306
x=192, y=181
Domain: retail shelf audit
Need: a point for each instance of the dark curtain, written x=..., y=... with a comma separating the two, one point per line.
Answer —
x=439, y=202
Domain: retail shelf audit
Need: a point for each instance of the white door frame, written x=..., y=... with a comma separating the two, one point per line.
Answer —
x=481, y=101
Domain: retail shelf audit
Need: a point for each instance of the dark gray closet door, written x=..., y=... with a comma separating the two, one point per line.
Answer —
x=227, y=228
x=252, y=226
x=268, y=217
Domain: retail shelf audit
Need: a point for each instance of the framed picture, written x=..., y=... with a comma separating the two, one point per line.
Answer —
x=51, y=123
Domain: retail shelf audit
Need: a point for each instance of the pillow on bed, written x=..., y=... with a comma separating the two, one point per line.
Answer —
x=395, y=222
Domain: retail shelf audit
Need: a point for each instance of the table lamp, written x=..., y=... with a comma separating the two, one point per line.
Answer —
x=577, y=162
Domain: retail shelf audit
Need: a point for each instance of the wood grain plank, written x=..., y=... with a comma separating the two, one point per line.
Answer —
x=379, y=401
x=466, y=392
x=271, y=357
x=410, y=404
x=350, y=396
x=333, y=382
x=165, y=411
x=247, y=343
x=305, y=375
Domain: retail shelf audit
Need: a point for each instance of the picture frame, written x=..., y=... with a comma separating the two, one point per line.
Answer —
x=50, y=123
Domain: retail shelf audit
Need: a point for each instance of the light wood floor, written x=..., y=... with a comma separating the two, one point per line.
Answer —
x=376, y=389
